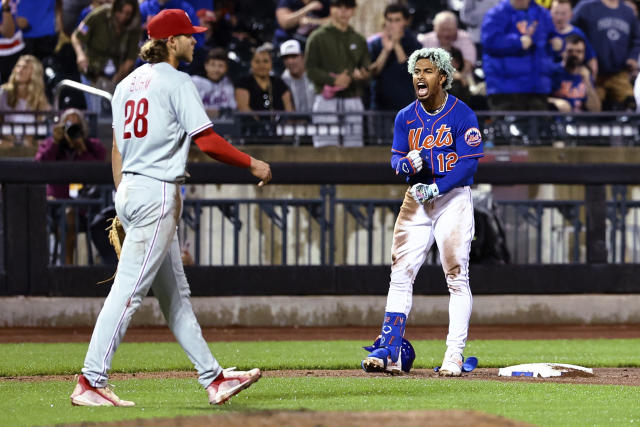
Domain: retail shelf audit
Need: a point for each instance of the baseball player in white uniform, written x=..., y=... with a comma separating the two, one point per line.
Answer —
x=436, y=146
x=156, y=113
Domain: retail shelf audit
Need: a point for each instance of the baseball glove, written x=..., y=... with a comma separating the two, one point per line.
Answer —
x=116, y=235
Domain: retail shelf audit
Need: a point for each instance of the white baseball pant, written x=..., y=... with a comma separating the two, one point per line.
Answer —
x=447, y=220
x=149, y=210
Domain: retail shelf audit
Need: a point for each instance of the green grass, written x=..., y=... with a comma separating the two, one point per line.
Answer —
x=548, y=404
x=41, y=359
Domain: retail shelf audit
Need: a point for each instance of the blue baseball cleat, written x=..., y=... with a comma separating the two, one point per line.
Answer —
x=381, y=359
x=376, y=361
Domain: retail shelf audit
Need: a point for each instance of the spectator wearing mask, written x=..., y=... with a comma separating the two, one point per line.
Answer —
x=295, y=76
x=23, y=92
x=391, y=88
x=518, y=41
x=615, y=33
x=216, y=89
x=337, y=62
x=11, y=42
x=572, y=83
x=561, y=13
x=446, y=34
x=70, y=142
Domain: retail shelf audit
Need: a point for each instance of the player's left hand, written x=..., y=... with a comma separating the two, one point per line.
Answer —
x=422, y=193
x=260, y=170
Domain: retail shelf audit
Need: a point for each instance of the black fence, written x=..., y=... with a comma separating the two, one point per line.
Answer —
x=27, y=268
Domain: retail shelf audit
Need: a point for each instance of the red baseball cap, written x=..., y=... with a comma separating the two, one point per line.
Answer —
x=172, y=22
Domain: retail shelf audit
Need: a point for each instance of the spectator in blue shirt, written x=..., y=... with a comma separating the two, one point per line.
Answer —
x=518, y=39
x=572, y=83
x=392, y=89
x=614, y=31
x=561, y=13
x=39, y=30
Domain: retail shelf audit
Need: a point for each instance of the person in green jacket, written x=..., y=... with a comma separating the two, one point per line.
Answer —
x=337, y=62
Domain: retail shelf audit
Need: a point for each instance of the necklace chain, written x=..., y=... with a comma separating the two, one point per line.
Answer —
x=446, y=97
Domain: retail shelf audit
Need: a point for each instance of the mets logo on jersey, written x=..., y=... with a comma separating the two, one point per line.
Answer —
x=473, y=137
x=442, y=138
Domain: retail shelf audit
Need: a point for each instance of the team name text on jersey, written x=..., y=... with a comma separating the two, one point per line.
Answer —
x=443, y=138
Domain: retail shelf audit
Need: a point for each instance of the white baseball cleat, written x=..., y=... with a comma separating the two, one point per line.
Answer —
x=229, y=383
x=86, y=395
x=451, y=365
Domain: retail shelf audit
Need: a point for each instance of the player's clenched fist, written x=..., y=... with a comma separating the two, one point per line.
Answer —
x=416, y=160
x=423, y=193
x=410, y=164
x=260, y=170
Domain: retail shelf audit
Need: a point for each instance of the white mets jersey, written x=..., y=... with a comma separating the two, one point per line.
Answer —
x=156, y=110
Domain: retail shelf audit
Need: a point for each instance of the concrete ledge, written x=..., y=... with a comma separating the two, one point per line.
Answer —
x=332, y=311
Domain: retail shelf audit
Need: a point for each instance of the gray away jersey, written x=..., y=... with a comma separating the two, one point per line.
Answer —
x=156, y=110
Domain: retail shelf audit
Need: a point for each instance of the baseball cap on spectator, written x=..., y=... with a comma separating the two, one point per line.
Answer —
x=172, y=22
x=206, y=15
x=290, y=47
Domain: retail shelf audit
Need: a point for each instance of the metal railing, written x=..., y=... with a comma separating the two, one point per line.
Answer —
x=328, y=230
x=367, y=194
x=300, y=128
x=497, y=127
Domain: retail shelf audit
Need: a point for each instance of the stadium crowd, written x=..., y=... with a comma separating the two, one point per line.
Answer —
x=306, y=55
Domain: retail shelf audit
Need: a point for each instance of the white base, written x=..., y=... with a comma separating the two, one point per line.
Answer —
x=543, y=370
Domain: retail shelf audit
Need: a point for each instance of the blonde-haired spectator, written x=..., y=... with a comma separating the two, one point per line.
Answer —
x=23, y=92
x=446, y=34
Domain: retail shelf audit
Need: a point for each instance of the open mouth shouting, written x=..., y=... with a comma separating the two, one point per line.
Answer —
x=422, y=89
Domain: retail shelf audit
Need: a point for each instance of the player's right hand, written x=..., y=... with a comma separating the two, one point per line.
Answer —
x=416, y=160
x=260, y=170
x=405, y=166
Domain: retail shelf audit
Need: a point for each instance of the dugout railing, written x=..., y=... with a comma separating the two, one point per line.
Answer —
x=27, y=267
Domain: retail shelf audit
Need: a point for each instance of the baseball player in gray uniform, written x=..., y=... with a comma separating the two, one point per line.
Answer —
x=156, y=112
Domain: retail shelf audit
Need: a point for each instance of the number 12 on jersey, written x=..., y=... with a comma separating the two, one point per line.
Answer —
x=136, y=112
x=445, y=163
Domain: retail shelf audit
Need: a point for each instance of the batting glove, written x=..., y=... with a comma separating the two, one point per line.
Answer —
x=423, y=193
x=410, y=164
